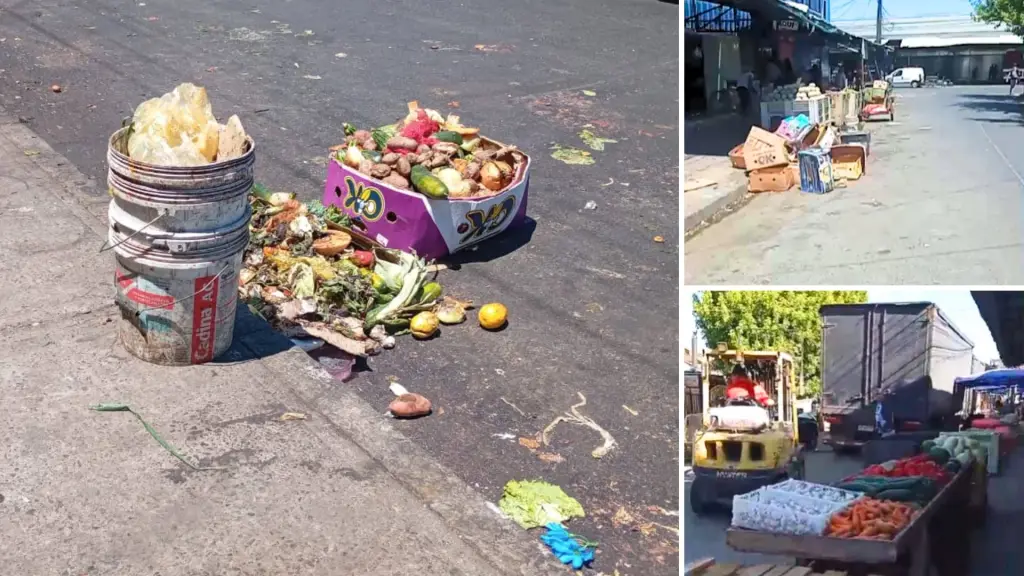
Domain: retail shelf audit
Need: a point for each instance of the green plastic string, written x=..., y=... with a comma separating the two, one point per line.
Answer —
x=152, y=432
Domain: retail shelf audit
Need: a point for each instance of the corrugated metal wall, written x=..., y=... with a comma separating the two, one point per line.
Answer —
x=961, y=64
x=703, y=16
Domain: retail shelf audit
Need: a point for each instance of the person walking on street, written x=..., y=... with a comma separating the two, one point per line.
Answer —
x=1015, y=76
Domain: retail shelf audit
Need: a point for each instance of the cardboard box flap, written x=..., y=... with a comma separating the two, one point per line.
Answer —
x=762, y=149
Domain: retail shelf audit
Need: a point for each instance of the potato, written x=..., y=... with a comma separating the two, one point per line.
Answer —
x=396, y=180
x=410, y=406
x=368, y=144
x=380, y=170
x=436, y=160
x=361, y=135
x=401, y=142
x=391, y=158
x=422, y=149
x=366, y=167
x=403, y=166
x=472, y=171
x=446, y=148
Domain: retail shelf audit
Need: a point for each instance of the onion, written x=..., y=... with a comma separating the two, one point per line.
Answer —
x=451, y=178
x=353, y=156
x=491, y=177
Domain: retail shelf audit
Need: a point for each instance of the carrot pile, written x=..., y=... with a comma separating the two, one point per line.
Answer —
x=870, y=519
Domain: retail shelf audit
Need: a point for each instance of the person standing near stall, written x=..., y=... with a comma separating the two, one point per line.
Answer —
x=772, y=72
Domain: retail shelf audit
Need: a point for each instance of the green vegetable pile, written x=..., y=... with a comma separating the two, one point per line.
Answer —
x=913, y=489
x=535, y=503
x=310, y=275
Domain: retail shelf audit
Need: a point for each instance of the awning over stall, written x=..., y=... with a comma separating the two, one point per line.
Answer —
x=993, y=379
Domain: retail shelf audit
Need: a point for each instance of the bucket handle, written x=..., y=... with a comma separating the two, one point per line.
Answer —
x=104, y=247
x=139, y=311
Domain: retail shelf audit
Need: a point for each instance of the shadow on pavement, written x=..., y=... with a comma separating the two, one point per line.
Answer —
x=260, y=339
x=716, y=135
x=1009, y=107
x=498, y=247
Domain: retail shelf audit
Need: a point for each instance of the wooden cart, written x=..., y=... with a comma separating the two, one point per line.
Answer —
x=708, y=567
x=935, y=541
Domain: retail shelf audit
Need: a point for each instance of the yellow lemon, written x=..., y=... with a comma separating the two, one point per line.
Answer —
x=493, y=316
x=423, y=325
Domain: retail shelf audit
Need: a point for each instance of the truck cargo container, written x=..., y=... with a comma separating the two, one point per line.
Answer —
x=905, y=354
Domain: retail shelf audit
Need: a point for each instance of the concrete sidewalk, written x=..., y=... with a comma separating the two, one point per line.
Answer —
x=92, y=493
x=712, y=186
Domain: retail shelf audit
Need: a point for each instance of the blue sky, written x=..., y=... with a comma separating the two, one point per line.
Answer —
x=956, y=304
x=865, y=9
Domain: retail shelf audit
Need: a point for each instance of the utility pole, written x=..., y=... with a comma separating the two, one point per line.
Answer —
x=878, y=24
x=803, y=360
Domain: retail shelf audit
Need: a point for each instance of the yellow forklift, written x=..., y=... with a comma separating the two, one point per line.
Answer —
x=730, y=458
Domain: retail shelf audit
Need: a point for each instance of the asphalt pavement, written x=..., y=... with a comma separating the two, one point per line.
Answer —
x=593, y=298
x=940, y=203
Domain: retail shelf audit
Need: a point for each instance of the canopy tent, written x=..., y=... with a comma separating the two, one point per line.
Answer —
x=993, y=379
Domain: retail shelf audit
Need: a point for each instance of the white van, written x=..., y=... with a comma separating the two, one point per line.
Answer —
x=914, y=77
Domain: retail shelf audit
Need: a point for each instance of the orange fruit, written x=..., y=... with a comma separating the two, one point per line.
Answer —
x=493, y=316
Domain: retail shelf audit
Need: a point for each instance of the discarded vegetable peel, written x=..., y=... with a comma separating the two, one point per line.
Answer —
x=572, y=156
x=111, y=407
x=574, y=417
x=595, y=142
x=535, y=503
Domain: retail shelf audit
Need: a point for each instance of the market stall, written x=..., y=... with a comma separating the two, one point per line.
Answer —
x=991, y=410
x=878, y=102
x=902, y=517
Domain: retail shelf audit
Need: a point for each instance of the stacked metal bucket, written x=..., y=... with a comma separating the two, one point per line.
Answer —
x=178, y=235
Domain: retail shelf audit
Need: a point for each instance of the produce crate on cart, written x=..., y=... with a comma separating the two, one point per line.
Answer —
x=710, y=567
x=772, y=113
x=817, y=108
x=933, y=542
x=988, y=439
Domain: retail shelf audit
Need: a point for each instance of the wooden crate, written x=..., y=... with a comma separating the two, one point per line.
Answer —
x=942, y=521
x=708, y=567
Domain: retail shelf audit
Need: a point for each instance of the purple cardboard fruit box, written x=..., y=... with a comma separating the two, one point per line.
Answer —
x=409, y=221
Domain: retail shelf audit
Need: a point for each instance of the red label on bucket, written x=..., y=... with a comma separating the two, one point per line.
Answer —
x=204, y=318
x=147, y=299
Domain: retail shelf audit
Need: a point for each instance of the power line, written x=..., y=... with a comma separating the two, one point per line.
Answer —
x=844, y=8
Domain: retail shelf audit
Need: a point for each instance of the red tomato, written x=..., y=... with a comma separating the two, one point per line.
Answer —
x=362, y=258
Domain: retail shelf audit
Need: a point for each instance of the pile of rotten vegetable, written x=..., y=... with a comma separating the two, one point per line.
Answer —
x=434, y=155
x=310, y=275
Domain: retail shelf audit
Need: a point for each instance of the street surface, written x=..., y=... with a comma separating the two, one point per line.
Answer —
x=592, y=298
x=941, y=203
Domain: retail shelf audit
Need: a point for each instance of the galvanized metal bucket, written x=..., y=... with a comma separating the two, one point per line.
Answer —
x=180, y=199
x=178, y=234
x=177, y=295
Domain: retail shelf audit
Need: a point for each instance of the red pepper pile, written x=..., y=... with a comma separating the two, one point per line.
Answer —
x=919, y=465
x=421, y=129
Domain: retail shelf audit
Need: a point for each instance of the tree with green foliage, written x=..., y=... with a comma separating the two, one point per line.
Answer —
x=1006, y=13
x=770, y=320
